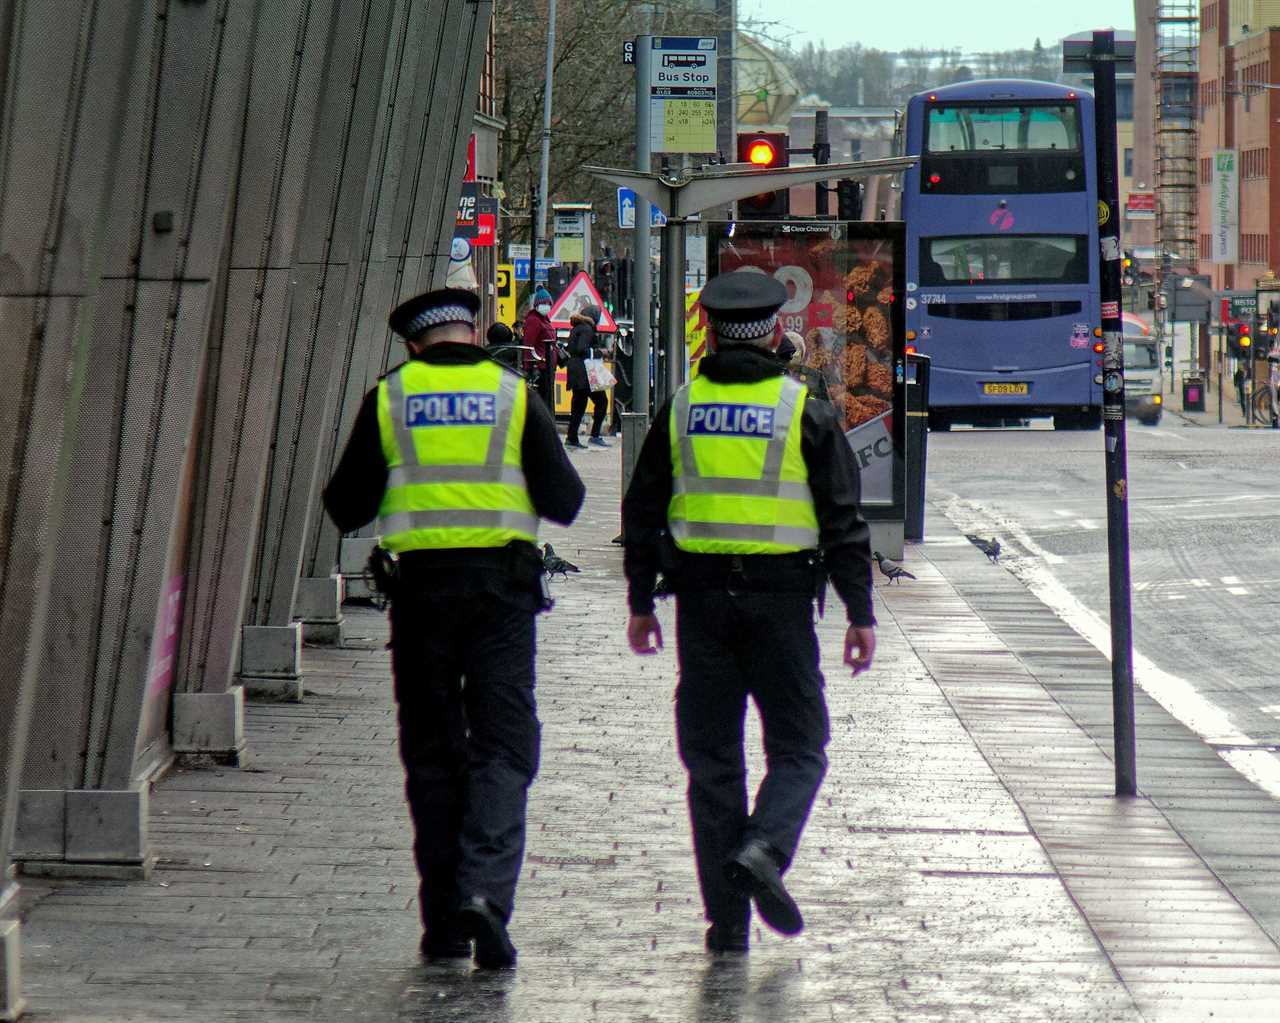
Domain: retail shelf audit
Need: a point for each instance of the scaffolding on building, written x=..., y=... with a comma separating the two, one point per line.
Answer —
x=1177, y=63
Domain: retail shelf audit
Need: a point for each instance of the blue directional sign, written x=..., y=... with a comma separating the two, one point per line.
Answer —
x=627, y=211
x=521, y=268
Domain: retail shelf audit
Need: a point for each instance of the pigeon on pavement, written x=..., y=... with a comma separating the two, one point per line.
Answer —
x=553, y=564
x=991, y=548
x=891, y=570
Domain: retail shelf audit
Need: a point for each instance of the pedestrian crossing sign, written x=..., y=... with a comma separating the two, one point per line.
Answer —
x=578, y=295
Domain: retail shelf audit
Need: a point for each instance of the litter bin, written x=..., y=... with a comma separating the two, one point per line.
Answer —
x=917, y=441
x=1192, y=392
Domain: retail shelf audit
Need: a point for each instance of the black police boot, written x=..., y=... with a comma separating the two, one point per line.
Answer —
x=728, y=938
x=445, y=942
x=479, y=920
x=753, y=871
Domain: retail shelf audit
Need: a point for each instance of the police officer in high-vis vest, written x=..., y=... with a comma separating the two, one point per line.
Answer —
x=457, y=465
x=745, y=496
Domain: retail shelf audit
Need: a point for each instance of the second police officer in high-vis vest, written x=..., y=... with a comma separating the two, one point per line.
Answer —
x=745, y=496
x=457, y=465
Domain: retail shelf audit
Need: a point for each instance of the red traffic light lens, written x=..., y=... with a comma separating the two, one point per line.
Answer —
x=911, y=349
x=761, y=153
x=1244, y=328
x=935, y=179
x=1099, y=347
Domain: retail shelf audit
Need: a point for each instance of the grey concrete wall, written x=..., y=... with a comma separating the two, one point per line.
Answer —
x=213, y=205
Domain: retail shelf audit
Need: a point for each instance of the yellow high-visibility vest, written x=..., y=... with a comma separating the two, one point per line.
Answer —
x=740, y=482
x=451, y=435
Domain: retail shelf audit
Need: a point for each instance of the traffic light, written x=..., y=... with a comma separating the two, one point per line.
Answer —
x=1239, y=338
x=1126, y=269
x=848, y=199
x=1273, y=317
x=764, y=149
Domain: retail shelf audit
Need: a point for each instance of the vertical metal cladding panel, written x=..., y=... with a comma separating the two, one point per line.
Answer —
x=242, y=401
x=338, y=205
x=153, y=432
x=181, y=138
x=59, y=729
x=459, y=57
x=426, y=81
x=280, y=132
x=37, y=385
x=65, y=71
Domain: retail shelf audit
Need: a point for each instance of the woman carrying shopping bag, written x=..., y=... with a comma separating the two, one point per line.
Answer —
x=585, y=353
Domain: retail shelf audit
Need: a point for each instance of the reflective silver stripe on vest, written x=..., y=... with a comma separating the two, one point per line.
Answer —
x=787, y=536
x=506, y=409
x=457, y=518
x=786, y=412
x=682, y=431
x=406, y=475
x=743, y=488
x=404, y=436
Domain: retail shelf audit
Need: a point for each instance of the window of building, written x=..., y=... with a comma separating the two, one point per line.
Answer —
x=1128, y=162
x=1124, y=101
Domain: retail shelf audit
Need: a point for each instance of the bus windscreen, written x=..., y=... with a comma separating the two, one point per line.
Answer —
x=1007, y=259
x=1002, y=127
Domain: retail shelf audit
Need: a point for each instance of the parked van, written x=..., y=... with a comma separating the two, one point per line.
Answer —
x=1143, y=379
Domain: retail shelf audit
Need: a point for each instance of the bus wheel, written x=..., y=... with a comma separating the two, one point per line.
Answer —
x=938, y=422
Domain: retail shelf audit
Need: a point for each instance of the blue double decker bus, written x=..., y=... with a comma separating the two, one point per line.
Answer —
x=1002, y=218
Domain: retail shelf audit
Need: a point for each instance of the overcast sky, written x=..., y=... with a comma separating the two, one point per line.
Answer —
x=975, y=25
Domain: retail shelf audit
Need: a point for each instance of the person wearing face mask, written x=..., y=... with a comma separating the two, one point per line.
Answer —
x=540, y=335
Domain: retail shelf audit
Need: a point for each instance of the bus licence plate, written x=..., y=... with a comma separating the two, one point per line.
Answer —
x=1004, y=388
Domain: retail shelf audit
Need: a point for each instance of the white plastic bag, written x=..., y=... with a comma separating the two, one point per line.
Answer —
x=599, y=378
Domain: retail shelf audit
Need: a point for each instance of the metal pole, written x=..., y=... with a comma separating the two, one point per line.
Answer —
x=641, y=284
x=673, y=252
x=1104, y=126
x=546, y=131
x=1222, y=361
x=821, y=154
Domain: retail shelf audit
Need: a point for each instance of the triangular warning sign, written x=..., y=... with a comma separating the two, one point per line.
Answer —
x=579, y=294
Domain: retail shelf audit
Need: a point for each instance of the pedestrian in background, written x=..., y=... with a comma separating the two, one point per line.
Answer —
x=540, y=335
x=458, y=463
x=584, y=344
x=746, y=496
x=500, y=342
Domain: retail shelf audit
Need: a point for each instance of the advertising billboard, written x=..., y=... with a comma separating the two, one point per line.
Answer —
x=845, y=282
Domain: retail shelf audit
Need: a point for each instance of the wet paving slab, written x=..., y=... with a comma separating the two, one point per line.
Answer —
x=961, y=863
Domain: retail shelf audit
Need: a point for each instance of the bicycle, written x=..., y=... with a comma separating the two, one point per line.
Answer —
x=1262, y=409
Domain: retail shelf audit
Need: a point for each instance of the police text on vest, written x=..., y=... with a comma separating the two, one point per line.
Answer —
x=734, y=420
x=456, y=409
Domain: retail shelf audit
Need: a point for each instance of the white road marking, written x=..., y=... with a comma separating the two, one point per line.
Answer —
x=1237, y=591
x=1230, y=580
x=1062, y=513
x=1199, y=584
x=1176, y=695
x=1087, y=524
x=1176, y=596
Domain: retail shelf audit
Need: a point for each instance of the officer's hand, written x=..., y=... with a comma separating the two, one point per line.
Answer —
x=644, y=634
x=863, y=640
